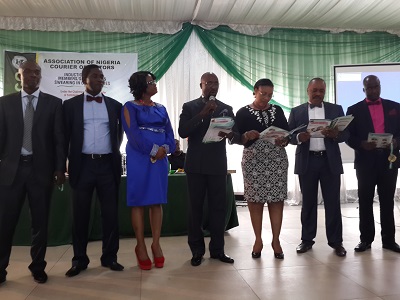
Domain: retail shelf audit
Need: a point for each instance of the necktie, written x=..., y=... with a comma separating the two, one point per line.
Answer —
x=28, y=123
x=315, y=105
x=91, y=98
x=377, y=102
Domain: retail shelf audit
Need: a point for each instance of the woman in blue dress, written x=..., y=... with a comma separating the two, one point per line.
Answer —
x=150, y=139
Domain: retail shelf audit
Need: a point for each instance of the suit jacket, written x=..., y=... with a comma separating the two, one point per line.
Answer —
x=73, y=122
x=362, y=125
x=47, y=137
x=299, y=116
x=203, y=158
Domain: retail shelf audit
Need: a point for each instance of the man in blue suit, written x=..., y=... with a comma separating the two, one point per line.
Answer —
x=318, y=160
x=373, y=169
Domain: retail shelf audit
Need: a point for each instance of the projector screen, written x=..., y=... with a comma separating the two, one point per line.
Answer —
x=349, y=88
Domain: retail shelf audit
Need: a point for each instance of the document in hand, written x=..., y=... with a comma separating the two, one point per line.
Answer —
x=315, y=126
x=382, y=140
x=272, y=133
x=223, y=124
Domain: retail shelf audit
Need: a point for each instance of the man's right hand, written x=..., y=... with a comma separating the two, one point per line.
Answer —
x=368, y=145
x=209, y=108
x=303, y=137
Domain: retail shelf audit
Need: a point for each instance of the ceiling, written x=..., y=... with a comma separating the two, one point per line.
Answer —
x=167, y=16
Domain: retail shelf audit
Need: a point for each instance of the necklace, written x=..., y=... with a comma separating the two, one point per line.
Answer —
x=258, y=107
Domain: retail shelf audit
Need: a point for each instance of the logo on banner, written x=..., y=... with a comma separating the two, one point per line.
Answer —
x=18, y=60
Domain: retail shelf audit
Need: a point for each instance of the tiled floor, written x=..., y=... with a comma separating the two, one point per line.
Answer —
x=317, y=274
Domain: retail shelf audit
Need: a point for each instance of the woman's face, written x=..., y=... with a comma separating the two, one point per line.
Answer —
x=263, y=95
x=151, y=86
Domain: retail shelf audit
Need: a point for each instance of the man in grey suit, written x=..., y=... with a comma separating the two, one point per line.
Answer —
x=94, y=133
x=32, y=159
x=206, y=169
x=318, y=160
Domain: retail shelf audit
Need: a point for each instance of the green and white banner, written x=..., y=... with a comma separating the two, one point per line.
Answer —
x=61, y=72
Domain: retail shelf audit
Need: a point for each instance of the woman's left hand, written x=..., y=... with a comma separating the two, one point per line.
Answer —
x=281, y=142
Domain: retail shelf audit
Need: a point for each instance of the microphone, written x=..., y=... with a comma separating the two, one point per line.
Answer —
x=211, y=98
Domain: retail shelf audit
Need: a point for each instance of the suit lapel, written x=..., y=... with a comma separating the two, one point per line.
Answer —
x=365, y=110
x=41, y=105
x=20, y=114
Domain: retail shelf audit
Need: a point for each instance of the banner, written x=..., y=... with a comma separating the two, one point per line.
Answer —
x=61, y=72
x=12, y=60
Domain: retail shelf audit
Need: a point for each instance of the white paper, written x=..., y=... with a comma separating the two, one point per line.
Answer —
x=223, y=124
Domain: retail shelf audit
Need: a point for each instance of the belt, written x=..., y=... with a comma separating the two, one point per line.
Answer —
x=26, y=158
x=96, y=156
x=318, y=153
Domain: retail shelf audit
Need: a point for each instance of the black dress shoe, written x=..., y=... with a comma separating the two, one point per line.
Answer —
x=304, y=247
x=393, y=246
x=340, y=251
x=224, y=258
x=40, y=276
x=114, y=266
x=75, y=270
x=362, y=246
x=196, y=260
x=279, y=255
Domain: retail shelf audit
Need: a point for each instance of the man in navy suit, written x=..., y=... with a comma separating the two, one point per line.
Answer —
x=32, y=159
x=206, y=169
x=318, y=161
x=93, y=134
x=373, y=169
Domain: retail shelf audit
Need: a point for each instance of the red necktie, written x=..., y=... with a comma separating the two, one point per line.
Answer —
x=91, y=98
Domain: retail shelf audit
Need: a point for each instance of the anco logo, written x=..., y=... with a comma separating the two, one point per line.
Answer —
x=18, y=60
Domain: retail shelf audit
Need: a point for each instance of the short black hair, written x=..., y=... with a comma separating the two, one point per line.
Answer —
x=86, y=70
x=263, y=82
x=138, y=83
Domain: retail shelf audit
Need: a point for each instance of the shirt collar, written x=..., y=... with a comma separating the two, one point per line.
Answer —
x=35, y=93
x=378, y=101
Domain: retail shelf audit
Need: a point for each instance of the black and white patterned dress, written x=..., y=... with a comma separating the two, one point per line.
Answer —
x=264, y=165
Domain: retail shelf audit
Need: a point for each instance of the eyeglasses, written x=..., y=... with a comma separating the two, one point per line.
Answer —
x=152, y=82
x=211, y=83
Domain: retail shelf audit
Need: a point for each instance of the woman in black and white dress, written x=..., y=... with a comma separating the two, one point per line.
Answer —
x=264, y=164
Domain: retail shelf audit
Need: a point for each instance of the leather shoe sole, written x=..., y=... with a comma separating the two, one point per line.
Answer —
x=40, y=277
x=224, y=258
x=393, y=247
x=114, y=266
x=75, y=270
x=196, y=260
x=362, y=246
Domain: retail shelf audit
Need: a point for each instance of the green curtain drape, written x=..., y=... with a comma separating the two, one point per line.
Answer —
x=289, y=57
x=156, y=52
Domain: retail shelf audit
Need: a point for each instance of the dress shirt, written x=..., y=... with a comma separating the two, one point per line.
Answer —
x=24, y=100
x=317, y=144
x=96, y=127
x=378, y=119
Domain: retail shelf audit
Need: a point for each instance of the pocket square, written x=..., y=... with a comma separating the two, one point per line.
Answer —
x=392, y=112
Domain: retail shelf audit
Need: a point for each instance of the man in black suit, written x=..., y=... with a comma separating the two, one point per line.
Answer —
x=206, y=169
x=318, y=161
x=93, y=135
x=32, y=159
x=373, y=168
x=177, y=158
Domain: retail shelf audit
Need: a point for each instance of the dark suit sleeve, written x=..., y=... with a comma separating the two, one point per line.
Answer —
x=119, y=128
x=67, y=125
x=343, y=135
x=354, y=140
x=188, y=121
x=2, y=128
x=293, y=123
x=59, y=137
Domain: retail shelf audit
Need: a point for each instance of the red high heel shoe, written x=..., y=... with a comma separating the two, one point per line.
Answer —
x=143, y=264
x=158, y=261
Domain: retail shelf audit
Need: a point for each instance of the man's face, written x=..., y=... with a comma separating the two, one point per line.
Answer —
x=209, y=85
x=30, y=75
x=94, y=82
x=372, y=88
x=316, y=92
